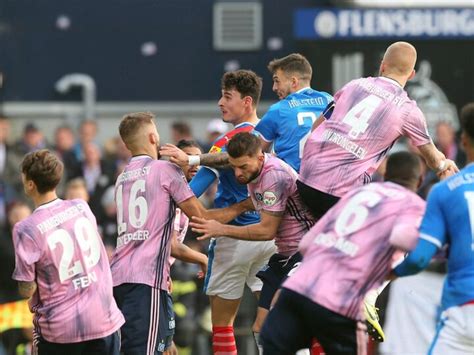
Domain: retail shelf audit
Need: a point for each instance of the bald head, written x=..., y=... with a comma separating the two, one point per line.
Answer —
x=399, y=59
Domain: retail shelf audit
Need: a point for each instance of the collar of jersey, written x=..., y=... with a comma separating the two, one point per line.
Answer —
x=140, y=156
x=390, y=80
x=48, y=204
x=301, y=90
x=244, y=123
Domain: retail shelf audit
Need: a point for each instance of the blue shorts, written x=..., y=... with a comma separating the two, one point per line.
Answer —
x=109, y=345
x=149, y=319
x=273, y=275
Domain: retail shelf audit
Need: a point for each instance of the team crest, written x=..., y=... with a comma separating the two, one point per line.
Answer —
x=269, y=198
x=215, y=149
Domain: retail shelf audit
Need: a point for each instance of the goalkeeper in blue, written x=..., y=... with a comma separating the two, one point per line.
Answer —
x=448, y=224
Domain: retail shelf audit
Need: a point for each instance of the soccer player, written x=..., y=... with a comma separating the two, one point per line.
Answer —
x=232, y=263
x=147, y=193
x=61, y=263
x=355, y=132
x=272, y=186
x=287, y=124
x=347, y=253
x=448, y=222
x=178, y=249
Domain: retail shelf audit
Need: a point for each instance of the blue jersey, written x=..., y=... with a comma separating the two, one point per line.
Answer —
x=229, y=191
x=449, y=220
x=288, y=123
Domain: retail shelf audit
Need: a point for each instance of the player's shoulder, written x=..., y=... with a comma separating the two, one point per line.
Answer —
x=276, y=168
x=273, y=110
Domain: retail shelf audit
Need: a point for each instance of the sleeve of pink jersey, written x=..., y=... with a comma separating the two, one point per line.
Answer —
x=177, y=220
x=176, y=185
x=27, y=253
x=275, y=189
x=405, y=233
x=415, y=128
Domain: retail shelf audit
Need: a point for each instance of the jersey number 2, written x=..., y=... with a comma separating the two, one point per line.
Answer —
x=301, y=117
x=88, y=241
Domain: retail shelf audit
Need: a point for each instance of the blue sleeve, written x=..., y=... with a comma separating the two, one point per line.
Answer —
x=417, y=259
x=202, y=180
x=433, y=225
x=267, y=127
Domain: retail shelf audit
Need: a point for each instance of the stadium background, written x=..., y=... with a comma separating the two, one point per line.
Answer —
x=168, y=57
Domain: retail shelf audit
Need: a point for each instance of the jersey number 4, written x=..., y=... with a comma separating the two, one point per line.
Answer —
x=359, y=115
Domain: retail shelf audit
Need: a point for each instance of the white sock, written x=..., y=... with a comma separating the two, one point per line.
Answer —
x=371, y=296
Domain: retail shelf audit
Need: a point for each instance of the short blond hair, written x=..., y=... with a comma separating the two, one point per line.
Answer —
x=131, y=124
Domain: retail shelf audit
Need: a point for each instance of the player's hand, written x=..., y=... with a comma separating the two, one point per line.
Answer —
x=208, y=228
x=203, y=271
x=450, y=170
x=176, y=155
x=172, y=350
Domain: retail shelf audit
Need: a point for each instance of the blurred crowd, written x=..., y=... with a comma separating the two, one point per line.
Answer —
x=91, y=169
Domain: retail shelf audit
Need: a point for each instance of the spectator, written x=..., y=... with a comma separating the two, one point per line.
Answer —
x=32, y=139
x=64, y=141
x=215, y=128
x=180, y=131
x=76, y=188
x=447, y=144
x=87, y=134
x=16, y=320
x=97, y=175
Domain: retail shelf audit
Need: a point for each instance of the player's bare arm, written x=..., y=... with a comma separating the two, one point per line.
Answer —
x=264, y=230
x=192, y=207
x=26, y=289
x=437, y=161
x=177, y=156
x=184, y=253
x=318, y=121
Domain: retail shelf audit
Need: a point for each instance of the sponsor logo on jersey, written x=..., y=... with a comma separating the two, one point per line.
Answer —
x=269, y=198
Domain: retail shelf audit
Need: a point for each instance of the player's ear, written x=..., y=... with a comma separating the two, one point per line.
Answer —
x=248, y=101
x=412, y=75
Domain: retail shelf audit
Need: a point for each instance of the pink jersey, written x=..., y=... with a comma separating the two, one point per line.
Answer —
x=369, y=115
x=274, y=190
x=60, y=249
x=351, y=249
x=181, y=222
x=146, y=194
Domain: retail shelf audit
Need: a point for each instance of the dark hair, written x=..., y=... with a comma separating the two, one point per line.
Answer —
x=403, y=168
x=467, y=119
x=181, y=127
x=131, y=124
x=294, y=63
x=186, y=143
x=246, y=82
x=243, y=144
x=43, y=168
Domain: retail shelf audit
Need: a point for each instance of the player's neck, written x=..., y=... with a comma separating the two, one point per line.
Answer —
x=145, y=151
x=41, y=199
x=250, y=118
x=400, y=80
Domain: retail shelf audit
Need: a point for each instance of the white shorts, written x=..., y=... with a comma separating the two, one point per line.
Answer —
x=455, y=332
x=234, y=263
